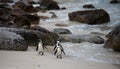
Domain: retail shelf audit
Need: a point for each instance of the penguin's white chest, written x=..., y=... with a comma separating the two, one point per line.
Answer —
x=59, y=52
x=40, y=47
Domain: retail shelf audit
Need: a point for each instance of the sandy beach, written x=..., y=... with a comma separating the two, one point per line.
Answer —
x=32, y=60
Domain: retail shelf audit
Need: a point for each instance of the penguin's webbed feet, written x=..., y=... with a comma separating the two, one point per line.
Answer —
x=41, y=53
x=59, y=56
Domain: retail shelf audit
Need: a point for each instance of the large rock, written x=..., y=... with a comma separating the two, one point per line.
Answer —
x=88, y=6
x=13, y=16
x=54, y=36
x=17, y=12
x=5, y=19
x=32, y=36
x=26, y=6
x=21, y=5
x=6, y=1
x=34, y=19
x=61, y=31
x=12, y=41
x=4, y=22
x=21, y=21
x=97, y=16
x=114, y=1
x=82, y=38
x=49, y=5
x=113, y=40
x=25, y=21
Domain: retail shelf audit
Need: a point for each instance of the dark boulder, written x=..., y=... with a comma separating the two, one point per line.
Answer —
x=61, y=31
x=54, y=36
x=32, y=36
x=31, y=9
x=4, y=22
x=34, y=19
x=25, y=20
x=4, y=11
x=53, y=6
x=114, y=2
x=33, y=2
x=97, y=16
x=12, y=41
x=81, y=38
x=113, y=40
x=17, y=12
x=4, y=17
x=21, y=21
x=63, y=8
x=27, y=7
x=21, y=5
x=6, y=1
x=5, y=5
x=49, y=5
x=88, y=6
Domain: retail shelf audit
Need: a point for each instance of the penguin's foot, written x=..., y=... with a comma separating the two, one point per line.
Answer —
x=41, y=53
x=59, y=56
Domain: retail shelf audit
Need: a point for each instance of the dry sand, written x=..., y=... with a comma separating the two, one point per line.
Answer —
x=32, y=60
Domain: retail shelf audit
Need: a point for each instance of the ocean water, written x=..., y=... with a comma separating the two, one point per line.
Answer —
x=85, y=50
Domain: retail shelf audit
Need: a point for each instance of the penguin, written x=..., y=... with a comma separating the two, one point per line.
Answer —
x=58, y=50
x=40, y=47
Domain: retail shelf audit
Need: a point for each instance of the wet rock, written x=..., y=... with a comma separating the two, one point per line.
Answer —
x=113, y=40
x=49, y=5
x=114, y=2
x=4, y=10
x=4, y=16
x=88, y=6
x=12, y=41
x=82, y=38
x=6, y=1
x=32, y=36
x=26, y=6
x=63, y=8
x=21, y=5
x=53, y=15
x=61, y=31
x=21, y=21
x=33, y=2
x=17, y=12
x=53, y=6
x=54, y=36
x=5, y=5
x=98, y=16
x=34, y=19
x=4, y=22
x=31, y=9
x=25, y=20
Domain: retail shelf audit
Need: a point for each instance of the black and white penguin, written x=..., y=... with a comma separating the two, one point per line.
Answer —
x=58, y=50
x=40, y=48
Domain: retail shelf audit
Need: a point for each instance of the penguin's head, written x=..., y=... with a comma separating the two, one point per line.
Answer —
x=58, y=41
x=40, y=40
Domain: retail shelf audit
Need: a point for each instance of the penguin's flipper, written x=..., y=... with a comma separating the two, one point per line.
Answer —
x=63, y=51
x=37, y=48
x=54, y=48
x=55, y=52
